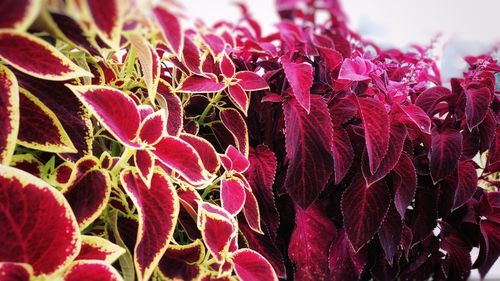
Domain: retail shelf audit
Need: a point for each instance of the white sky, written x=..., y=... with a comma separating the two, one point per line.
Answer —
x=467, y=27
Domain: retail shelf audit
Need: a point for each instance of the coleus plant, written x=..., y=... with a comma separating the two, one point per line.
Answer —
x=133, y=148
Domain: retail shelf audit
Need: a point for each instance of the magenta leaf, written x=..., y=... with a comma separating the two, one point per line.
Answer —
x=445, y=152
x=417, y=116
x=343, y=261
x=300, y=77
x=364, y=208
x=467, y=183
x=310, y=242
x=205, y=149
x=191, y=56
x=389, y=233
x=250, y=81
x=457, y=265
x=91, y=270
x=97, y=248
x=376, y=124
x=232, y=195
x=19, y=14
x=158, y=208
x=234, y=160
x=308, y=147
x=200, y=84
x=405, y=183
x=29, y=210
x=153, y=127
x=239, y=97
x=250, y=265
x=477, y=104
x=180, y=262
x=12, y=271
x=357, y=69
x=342, y=152
x=9, y=98
x=343, y=110
x=170, y=28
x=175, y=110
x=234, y=122
x=114, y=109
x=226, y=66
x=429, y=98
x=490, y=245
x=251, y=211
x=88, y=196
x=144, y=162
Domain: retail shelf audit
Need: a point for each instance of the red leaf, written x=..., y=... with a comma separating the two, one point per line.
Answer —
x=232, y=196
x=158, y=208
x=205, y=149
x=429, y=98
x=217, y=228
x=91, y=270
x=250, y=265
x=191, y=56
x=226, y=66
x=145, y=163
x=107, y=20
x=239, y=97
x=476, y=107
x=389, y=233
x=88, y=196
x=396, y=141
x=445, y=152
x=251, y=211
x=153, y=127
x=467, y=183
x=457, y=265
x=97, y=248
x=405, y=183
x=344, y=263
x=342, y=111
x=11, y=271
x=300, y=77
x=114, y=109
x=364, y=208
x=40, y=128
x=234, y=122
x=170, y=28
x=45, y=62
x=181, y=157
x=308, y=147
x=310, y=242
x=19, y=14
x=200, y=84
x=343, y=154
x=376, y=124
x=250, y=81
x=9, y=122
x=29, y=209
x=489, y=249
x=214, y=43
x=180, y=262
x=357, y=69
x=261, y=179
x=417, y=116
x=174, y=106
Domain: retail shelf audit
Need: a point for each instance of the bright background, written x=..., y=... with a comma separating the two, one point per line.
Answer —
x=466, y=27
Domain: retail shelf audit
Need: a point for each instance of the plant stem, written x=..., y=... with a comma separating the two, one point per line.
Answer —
x=130, y=62
x=209, y=107
x=127, y=153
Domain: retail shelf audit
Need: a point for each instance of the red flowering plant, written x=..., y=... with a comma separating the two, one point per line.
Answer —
x=133, y=148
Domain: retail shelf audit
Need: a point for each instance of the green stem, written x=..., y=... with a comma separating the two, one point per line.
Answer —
x=127, y=153
x=209, y=107
x=130, y=62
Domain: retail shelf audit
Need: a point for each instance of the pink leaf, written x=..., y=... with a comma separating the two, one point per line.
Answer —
x=239, y=97
x=232, y=196
x=200, y=84
x=250, y=81
x=181, y=157
x=91, y=270
x=237, y=161
x=191, y=56
x=153, y=127
x=250, y=265
x=205, y=149
x=170, y=28
x=115, y=110
x=300, y=77
x=308, y=147
x=357, y=69
x=226, y=66
x=158, y=208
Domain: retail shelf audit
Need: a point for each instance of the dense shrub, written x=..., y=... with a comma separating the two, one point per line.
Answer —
x=134, y=148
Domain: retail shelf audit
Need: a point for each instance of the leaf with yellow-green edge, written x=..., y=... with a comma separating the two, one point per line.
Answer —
x=19, y=14
x=9, y=114
x=45, y=61
x=114, y=109
x=97, y=248
x=182, y=262
x=237, y=126
x=150, y=63
x=13, y=271
x=88, y=196
x=158, y=209
x=91, y=270
x=40, y=128
x=28, y=163
x=107, y=19
x=30, y=209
